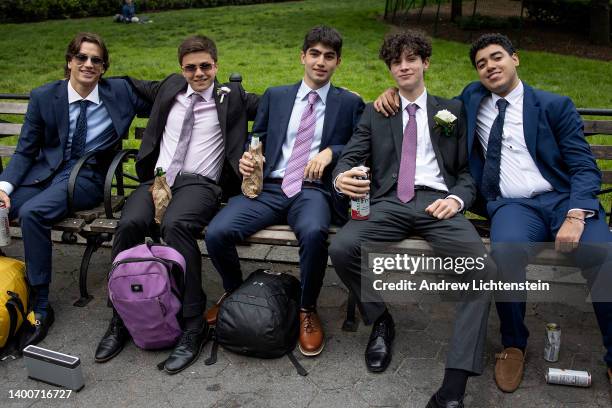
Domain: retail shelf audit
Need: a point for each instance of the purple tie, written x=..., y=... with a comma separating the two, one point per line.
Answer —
x=183, y=143
x=405, y=181
x=294, y=173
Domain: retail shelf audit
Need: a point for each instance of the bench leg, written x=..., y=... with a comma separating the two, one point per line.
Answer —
x=350, y=323
x=93, y=243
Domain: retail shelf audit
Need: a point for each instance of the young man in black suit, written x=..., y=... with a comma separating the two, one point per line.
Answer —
x=419, y=184
x=196, y=133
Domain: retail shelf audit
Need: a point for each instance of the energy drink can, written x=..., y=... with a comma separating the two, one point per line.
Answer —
x=360, y=207
x=568, y=377
x=5, y=231
x=552, y=342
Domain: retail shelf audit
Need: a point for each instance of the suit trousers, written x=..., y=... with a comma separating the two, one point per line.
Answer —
x=39, y=206
x=307, y=213
x=515, y=223
x=391, y=221
x=195, y=200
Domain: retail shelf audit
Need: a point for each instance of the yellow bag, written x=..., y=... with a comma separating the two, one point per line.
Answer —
x=13, y=297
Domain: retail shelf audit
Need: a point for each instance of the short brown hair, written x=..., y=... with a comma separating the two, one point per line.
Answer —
x=75, y=46
x=412, y=41
x=197, y=43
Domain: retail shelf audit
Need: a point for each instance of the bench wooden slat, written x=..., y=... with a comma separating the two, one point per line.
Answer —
x=10, y=129
x=103, y=225
x=593, y=127
x=7, y=151
x=14, y=108
x=606, y=177
x=97, y=212
x=602, y=152
x=69, y=224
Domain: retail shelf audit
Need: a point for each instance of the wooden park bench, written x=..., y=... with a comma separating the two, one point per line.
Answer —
x=97, y=226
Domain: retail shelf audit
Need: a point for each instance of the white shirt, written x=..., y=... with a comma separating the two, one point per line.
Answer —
x=301, y=101
x=206, y=150
x=519, y=176
x=427, y=171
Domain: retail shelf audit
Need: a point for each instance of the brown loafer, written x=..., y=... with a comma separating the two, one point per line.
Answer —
x=509, y=369
x=311, y=334
x=211, y=314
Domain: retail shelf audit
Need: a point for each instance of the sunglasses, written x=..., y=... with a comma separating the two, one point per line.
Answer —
x=204, y=67
x=82, y=58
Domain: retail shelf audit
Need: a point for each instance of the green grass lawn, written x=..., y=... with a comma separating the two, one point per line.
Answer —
x=262, y=42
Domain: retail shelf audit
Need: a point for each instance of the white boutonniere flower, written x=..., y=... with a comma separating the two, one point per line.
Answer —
x=224, y=90
x=445, y=120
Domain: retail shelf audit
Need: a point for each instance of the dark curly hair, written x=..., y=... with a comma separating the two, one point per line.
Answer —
x=489, y=39
x=412, y=41
x=327, y=36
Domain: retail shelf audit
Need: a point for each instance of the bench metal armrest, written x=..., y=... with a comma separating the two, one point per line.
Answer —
x=74, y=173
x=115, y=169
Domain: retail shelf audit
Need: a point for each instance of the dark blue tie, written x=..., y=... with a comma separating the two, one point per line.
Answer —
x=79, y=138
x=489, y=186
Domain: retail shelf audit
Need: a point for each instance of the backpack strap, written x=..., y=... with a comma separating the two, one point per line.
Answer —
x=300, y=368
x=212, y=359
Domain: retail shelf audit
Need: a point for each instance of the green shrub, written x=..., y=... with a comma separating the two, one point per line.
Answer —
x=19, y=11
x=574, y=14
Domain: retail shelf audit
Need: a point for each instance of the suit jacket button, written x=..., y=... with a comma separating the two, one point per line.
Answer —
x=394, y=175
x=36, y=180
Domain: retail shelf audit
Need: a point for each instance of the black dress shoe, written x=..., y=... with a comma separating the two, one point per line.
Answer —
x=434, y=402
x=113, y=341
x=187, y=350
x=378, y=351
x=38, y=332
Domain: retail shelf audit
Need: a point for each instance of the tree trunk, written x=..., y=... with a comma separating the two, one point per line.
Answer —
x=455, y=9
x=600, y=22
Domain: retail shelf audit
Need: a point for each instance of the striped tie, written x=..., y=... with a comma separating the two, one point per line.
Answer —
x=407, y=171
x=294, y=173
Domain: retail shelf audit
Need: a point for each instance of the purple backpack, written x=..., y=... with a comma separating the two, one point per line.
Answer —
x=142, y=286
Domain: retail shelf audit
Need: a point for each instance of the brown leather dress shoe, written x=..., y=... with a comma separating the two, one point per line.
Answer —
x=509, y=369
x=311, y=333
x=211, y=314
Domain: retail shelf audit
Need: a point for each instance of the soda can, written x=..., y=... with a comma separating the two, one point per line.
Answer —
x=552, y=342
x=360, y=207
x=568, y=377
x=5, y=231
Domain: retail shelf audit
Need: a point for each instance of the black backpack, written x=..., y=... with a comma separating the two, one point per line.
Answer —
x=260, y=318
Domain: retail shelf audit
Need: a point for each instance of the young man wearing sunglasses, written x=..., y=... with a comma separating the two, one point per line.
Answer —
x=304, y=127
x=196, y=133
x=65, y=120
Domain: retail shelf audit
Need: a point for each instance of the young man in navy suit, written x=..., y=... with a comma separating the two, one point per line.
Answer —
x=304, y=128
x=538, y=182
x=65, y=120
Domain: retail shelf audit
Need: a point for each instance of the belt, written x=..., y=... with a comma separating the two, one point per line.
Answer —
x=426, y=188
x=305, y=183
x=197, y=176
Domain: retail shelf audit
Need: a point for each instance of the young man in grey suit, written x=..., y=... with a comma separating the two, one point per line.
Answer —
x=419, y=183
x=196, y=133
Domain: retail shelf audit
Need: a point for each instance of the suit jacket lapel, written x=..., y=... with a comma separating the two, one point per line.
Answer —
x=221, y=109
x=531, y=114
x=433, y=106
x=286, y=109
x=332, y=106
x=397, y=132
x=61, y=112
x=472, y=112
x=110, y=104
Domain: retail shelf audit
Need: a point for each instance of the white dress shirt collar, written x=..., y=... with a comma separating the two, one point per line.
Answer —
x=73, y=96
x=207, y=94
x=515, y=97
x=305, y=90
x=421, y=101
